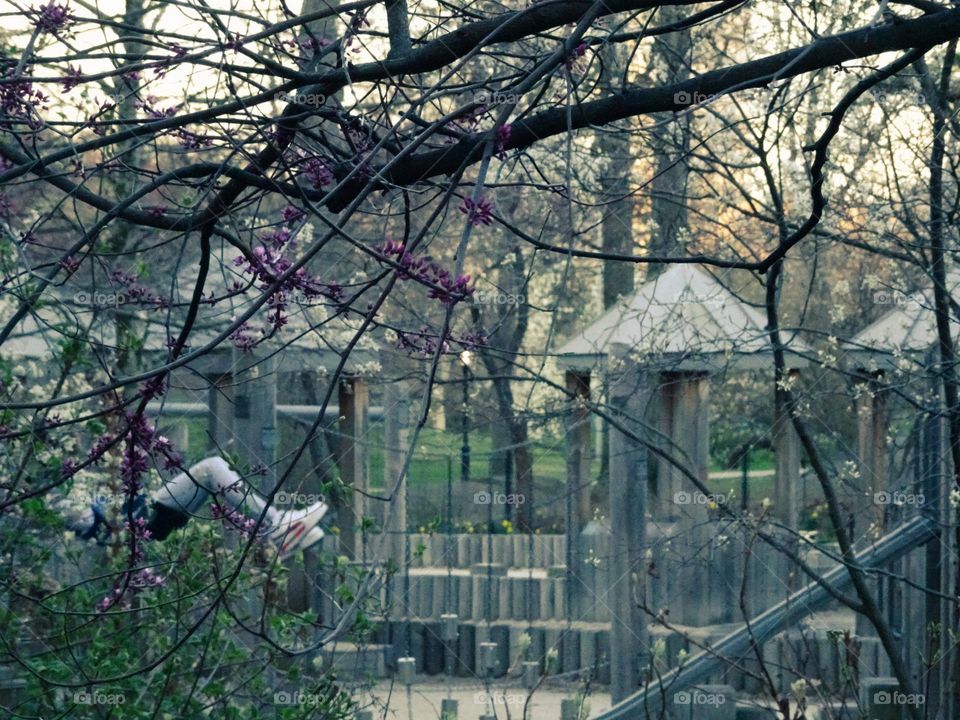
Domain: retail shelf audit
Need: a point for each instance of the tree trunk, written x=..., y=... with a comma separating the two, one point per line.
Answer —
x=670, y=142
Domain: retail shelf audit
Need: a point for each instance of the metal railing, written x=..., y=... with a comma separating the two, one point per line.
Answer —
x=648, y=701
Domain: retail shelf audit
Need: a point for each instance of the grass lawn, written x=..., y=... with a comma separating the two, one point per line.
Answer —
x=437, y=457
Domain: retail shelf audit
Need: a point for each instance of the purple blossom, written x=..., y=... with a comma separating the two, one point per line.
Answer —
x=479, y=212
x=357, y=22
x=468, y=123
x=233, y=519
x=138, y=529
x=471, y=341
x=72, y=78
x=424, y=342
x=153, y=388
x=446, y=288
x=573, y=59
x=279, y=238
x=136, y=293
x=243, y=339
x=52, y=18
x=132, y=467
x=192, y=141
x=451, y=289
x=148, y=107
x=292, y=214
x=317, y=172
x=19, y=101
x=100, y=447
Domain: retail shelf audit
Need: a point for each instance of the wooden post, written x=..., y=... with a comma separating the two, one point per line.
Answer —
x=786, y=445
x=353, y=464
x=683, y=400
x=935, y=482
x=255, y=414
x=304, y=582
x=629, y=398
x=173, y=425
x=394, y=437
x=578, y=487
x=220, y=413
x=872, y=428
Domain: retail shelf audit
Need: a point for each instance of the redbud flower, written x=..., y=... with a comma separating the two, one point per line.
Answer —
x=479, y=212
x=52, y=17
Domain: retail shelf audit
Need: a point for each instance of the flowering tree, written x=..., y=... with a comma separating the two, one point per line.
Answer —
x=180, y=179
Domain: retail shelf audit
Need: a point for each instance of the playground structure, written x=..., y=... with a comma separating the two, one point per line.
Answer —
x=588, y=603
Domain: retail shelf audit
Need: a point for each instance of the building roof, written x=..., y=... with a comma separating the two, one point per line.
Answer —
x=909, y=327
x=684, y=319
x=313, y=338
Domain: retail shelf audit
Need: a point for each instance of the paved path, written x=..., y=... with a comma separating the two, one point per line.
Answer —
x=423, y=700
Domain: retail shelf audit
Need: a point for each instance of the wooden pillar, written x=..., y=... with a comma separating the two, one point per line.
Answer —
x=220, y=414
x=872, y=428
x=172, y=424
x=936, y=482
x=395, y=419
x=305, y=583
x=787, y=491
x=683, y=400
x=578, y=487
x=353, y=464
x=629, y=398
x=255, y=415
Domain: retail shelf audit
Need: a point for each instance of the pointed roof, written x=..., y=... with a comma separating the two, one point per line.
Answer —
x=313, y=338
x=909, y=327
x=684, y=319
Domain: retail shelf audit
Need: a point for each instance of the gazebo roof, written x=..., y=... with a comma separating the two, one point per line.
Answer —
x=684, y=319
x=909, y=327
x=313, y=337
